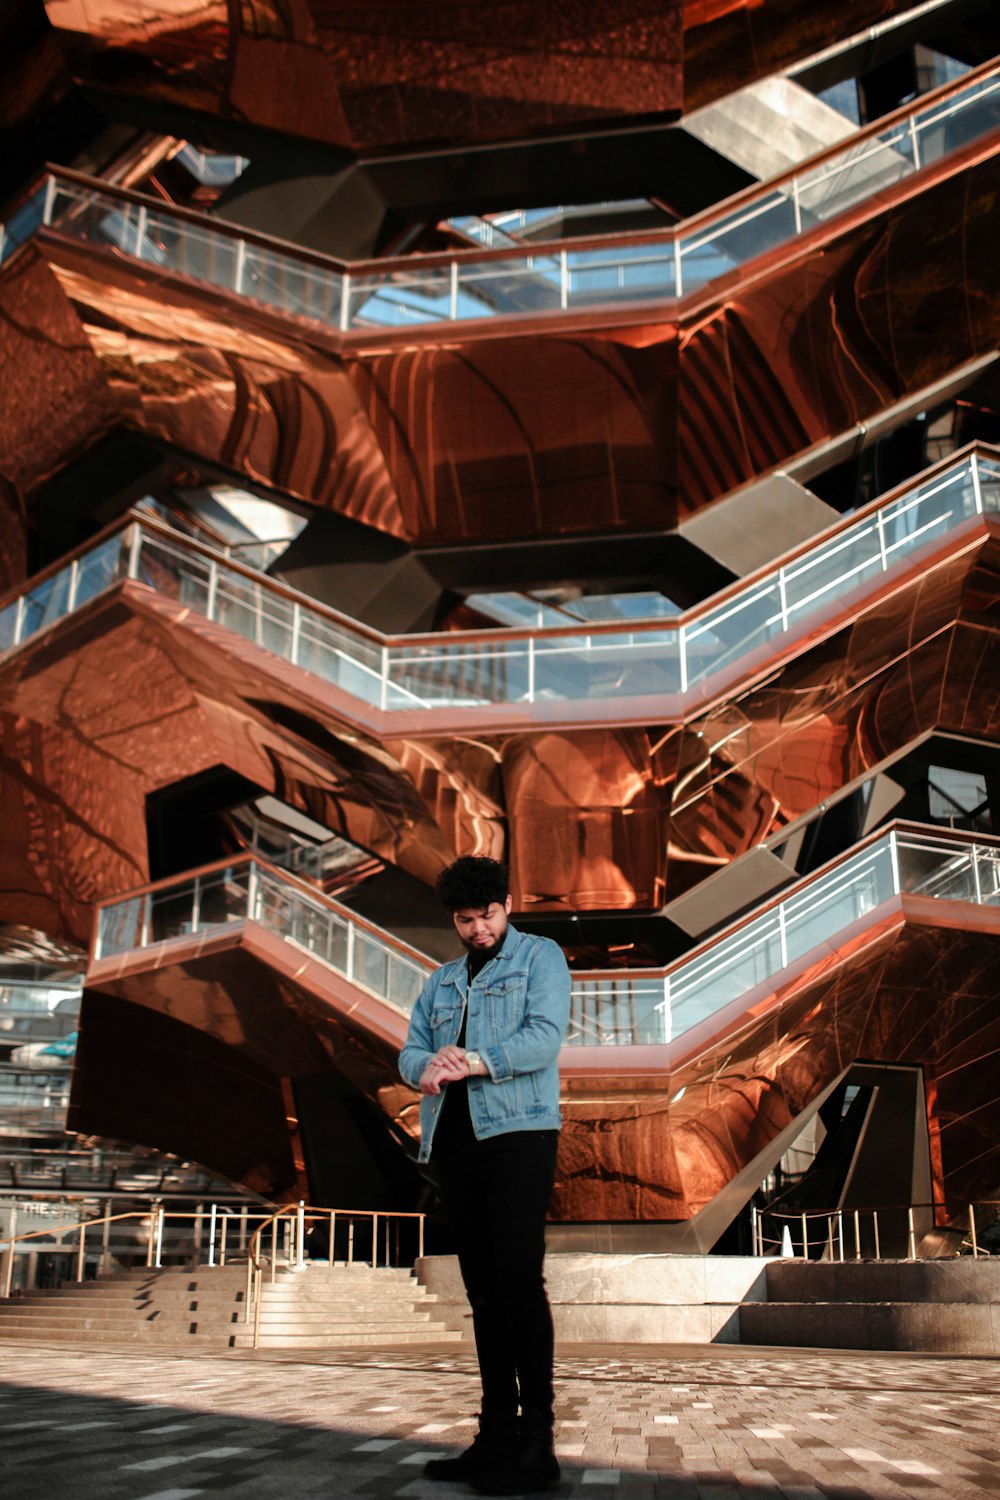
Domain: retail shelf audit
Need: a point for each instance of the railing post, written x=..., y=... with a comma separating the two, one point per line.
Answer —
x=333, y=1232
x=972, y=1231
x=106, y=1238
x=135, y=548
x=915, y=142
x=253, y=894
x=911, y=1237
x=453, y=292
x=22, y=610
x=383, y=697
x=532, y=664
x=897, y=883
x=196, y=904
x=857, y=1235
x=374, y=1241
x=151, y=1235
x=222, y=1240
x=350, y=1242
x=678, y=280
x=753, y=1229
x=977, y=490
x=296, y=632
x=878, y=1247
x=140, y=230
x=160, y=1213
x=805, y=1238
x=420, y=1238
x=300, y=1234
x=80, y=1250
x=563, y=279
x=345, y=302
x=144, y=928
x=241, y=260
x=213, y=590
x=840, y=1231
x=213, y=1212
x=74, y=580
x=274, y=1247
x=8, y=1270
x=796, y=206
x=49, y=202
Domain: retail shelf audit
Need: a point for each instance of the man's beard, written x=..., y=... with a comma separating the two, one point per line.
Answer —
x=478, y=951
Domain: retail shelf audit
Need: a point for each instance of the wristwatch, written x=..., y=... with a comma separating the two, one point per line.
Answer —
x=475, y=1062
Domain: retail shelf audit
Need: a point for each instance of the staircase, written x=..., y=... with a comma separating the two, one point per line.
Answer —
x=936, y=1306
x=319, y=1307
x=332, y=1307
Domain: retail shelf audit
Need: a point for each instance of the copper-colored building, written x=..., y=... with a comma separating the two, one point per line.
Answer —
x=563, y=433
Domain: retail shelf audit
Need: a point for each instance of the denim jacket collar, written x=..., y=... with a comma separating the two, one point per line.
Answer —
x=457, y=972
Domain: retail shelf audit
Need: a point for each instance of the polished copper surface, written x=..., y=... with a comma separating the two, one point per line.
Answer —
x=652, y=1133
x=916, y=987
x=730, y=43
x=396, y=75
x=135, y=692
x=579, y=423
x=390, y=74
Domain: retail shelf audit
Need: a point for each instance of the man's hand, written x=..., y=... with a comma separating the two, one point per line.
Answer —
x=444, y=1067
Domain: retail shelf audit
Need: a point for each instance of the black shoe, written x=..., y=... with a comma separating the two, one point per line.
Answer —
x=530, y=1469
x=491, y=1449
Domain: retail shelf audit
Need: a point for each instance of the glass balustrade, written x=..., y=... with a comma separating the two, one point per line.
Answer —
x=607, y=1009
x=568, y=663
x=622, y=268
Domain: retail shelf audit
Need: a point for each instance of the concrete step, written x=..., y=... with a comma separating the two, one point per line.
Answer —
x=960, y=1280
x=938, y=1328
x=402, y=1334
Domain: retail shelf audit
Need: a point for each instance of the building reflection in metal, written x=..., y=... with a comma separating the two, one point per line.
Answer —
x=653, y=1133
x=136, y=693
x=581, y=422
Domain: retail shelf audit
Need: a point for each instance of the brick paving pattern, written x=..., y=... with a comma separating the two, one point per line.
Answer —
x=656, y=1423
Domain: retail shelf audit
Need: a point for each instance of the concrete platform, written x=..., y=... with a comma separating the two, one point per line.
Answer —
x=720, y=1423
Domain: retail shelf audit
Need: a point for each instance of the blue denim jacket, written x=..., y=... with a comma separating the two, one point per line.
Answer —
x=518, y=1010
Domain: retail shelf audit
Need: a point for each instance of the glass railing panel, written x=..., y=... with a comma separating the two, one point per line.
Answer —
x=611, y=665
x=618, y=1010
x=819, y=577
x=121, y=928
x=221, y=897
x=23, y=223
x=503, y=288
x=402, y=298
x=750, y=230
x=455, y=674
x=735, y=627
x=98, y=570
x=256, y=613
x=945, y=126
x=46, y=603
x=854, y=174
x=620, y=273
x=349, y=661
x=278, y=280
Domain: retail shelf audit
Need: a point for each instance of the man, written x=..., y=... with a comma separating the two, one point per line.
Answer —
x=483, y=1049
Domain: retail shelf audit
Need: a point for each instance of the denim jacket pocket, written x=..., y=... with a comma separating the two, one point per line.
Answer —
x=444, y=1020
x=505, y=1000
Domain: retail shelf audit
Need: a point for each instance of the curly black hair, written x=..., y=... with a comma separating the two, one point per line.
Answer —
x=472, y=881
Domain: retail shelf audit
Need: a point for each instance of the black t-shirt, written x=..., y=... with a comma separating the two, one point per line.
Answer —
x=454, y=1127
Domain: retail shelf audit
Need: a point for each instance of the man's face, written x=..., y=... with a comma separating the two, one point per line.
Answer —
x=482, y=928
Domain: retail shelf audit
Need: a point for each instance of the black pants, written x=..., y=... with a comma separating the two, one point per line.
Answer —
x=496, y=1193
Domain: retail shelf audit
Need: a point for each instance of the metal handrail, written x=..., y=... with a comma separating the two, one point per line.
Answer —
x=836, y=1244
x=673, y=244
x=724, y=967
x=507, y=665
x=294, y=1217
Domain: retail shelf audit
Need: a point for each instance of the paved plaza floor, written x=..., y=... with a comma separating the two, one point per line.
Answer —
x=639, y=1421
